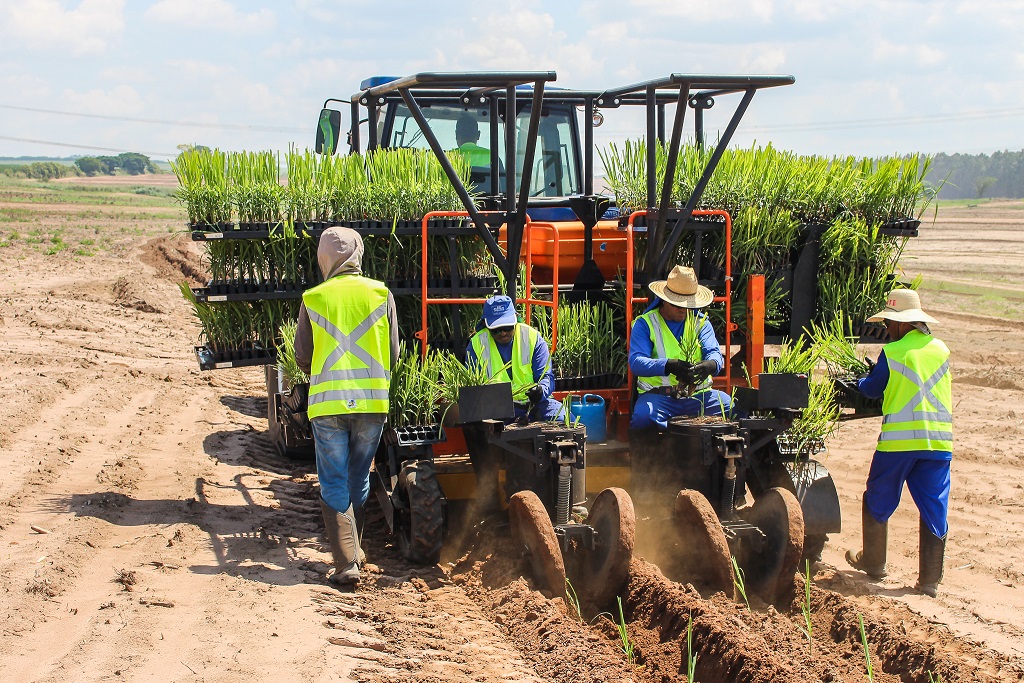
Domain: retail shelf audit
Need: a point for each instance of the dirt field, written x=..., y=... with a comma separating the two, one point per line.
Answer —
x=147, y=531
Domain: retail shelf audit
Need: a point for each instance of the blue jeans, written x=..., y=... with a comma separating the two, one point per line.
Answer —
x=654, y=410
x=345, y=446
x=927, y=479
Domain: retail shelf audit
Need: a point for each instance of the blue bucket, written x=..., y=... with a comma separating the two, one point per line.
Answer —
x=590, y=410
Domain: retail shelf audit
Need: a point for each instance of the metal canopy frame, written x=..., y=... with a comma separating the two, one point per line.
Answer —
x=685, y=90
x=472, y=88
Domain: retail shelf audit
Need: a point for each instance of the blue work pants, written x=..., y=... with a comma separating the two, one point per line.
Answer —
x=345, y=446
x=927, y=479
x=654, y=410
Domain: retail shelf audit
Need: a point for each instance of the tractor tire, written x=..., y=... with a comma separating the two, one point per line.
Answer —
x=421, y=535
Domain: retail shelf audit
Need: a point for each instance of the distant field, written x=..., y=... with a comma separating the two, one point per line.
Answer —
x=972, y=257
x=82, y=220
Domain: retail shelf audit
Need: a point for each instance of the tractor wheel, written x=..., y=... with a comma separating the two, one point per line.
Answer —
x=700, y=551
x=420, y=539
x=769, y=570
x=605, y=570
x=532, y=530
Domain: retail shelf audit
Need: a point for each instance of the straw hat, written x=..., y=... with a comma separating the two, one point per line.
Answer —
x=903, y=306
x=681, y=289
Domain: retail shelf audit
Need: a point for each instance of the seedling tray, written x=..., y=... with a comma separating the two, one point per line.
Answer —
x=486, y=402
x=235, y=358
x=849, y=396
x=214, y=294
x=415, y=435
x=607, y=380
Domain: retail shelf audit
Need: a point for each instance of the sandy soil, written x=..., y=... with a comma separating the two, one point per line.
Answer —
x=148, y=531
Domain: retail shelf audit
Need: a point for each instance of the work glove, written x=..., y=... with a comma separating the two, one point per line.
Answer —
x=679, y=368
x=535, y=394
x=703, y=370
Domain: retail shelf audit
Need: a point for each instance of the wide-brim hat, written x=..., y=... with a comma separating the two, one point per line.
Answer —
x=499, y=311
x=682, y=289
x=902, y=306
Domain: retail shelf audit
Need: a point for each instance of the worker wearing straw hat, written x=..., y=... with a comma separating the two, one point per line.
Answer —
x=655, y=354
x=915, y=445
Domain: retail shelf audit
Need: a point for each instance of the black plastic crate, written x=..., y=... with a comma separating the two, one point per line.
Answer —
x=486, y=402
x=233, y=358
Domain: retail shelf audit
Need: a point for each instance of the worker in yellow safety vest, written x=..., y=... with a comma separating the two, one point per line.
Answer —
x=347, y=342
x=467, y=133
x=503, y=340
x=915, y=445
x=661, y=364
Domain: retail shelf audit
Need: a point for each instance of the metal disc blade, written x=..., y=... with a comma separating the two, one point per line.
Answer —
x=531, y=528
x=604, y=571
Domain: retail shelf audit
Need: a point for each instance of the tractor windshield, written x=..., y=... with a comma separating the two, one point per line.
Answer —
x=467, y=131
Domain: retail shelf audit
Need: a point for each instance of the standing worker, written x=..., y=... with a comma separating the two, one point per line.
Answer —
x=347, y=342
x=916, y=442
x=656, y=357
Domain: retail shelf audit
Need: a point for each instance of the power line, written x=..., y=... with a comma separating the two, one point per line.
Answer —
x=190, y=124
x=88, y=147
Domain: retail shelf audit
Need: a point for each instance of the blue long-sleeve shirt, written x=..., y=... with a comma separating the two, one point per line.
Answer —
x=542, y=374
x=641, y=347
x=873, y=386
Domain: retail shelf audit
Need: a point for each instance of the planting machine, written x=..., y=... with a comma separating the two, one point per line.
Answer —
x=706, y=489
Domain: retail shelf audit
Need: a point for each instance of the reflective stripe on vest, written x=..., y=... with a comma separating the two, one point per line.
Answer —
x=667, y=346
x=350, y=370
x=917, y=403
x=524, y=342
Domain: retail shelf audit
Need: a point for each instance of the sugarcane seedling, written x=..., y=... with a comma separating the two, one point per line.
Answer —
x=867, y=653
x=574, y=601
x=691, y=656
x=740, y=582
x=805, y=609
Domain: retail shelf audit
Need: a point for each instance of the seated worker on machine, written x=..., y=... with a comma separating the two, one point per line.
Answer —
x=656, y=358
x=502, y=339
x=467, y=132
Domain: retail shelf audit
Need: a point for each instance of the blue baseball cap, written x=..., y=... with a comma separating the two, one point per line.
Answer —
x=499, y=312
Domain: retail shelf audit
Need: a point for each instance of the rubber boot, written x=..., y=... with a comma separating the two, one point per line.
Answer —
x=932, y=552
x=343, y=538
x=360, y=517
x=871, y=560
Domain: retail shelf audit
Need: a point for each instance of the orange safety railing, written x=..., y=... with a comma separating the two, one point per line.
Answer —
x=425, y=300
x=529, y=300
x=730, y=326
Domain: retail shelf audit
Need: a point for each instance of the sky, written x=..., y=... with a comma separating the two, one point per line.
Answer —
x=874, y=77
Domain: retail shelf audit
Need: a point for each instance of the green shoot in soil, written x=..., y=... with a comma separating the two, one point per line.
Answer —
x=867, y=654
x=739, y=582
x=573, y=600
x=627, y=644
x=691, y=656
x=805, y=608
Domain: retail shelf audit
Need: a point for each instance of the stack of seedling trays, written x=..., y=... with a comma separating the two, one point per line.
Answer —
x=828, y=233
x=589, y=350
x=261, y=232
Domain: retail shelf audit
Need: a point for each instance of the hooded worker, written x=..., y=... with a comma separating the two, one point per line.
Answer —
x=661, y=364
x=347, y=342
x=915, y=445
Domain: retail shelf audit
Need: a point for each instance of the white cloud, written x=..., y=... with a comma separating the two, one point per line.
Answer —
x=122, y=100
x=702, y=11
x=87, y=29
x=218, y=15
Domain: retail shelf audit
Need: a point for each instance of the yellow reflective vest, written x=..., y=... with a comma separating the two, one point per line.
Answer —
x=351, y=346
x=524, y=341
x=918, y=401
x=665, y=345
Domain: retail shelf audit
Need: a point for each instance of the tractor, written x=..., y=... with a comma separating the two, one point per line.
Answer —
x=533, y=201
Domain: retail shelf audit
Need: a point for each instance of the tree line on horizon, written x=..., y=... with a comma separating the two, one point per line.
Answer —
x=973, y=176
x=131, y=163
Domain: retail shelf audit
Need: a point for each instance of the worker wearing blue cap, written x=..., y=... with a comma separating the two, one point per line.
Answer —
x=502, y=340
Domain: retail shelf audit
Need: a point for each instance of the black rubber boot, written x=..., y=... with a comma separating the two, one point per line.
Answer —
x=360, y=517
x=871, y=560
x=932, y=552
x=342, y=537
